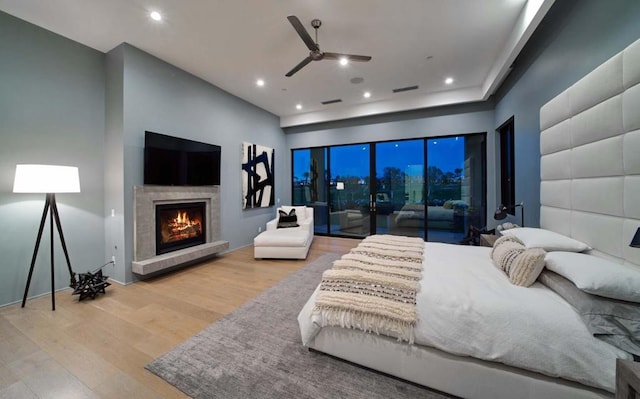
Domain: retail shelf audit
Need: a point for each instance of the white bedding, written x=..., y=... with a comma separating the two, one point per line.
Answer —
x=466, y=306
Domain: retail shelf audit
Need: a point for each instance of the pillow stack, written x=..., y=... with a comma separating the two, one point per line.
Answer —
x=523, y=265
x=605, y=294
x=521, y=251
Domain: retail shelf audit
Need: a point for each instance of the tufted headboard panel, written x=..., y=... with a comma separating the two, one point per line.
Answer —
x=590, y=158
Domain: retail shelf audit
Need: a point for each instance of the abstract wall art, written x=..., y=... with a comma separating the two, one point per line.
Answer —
x=257, y=176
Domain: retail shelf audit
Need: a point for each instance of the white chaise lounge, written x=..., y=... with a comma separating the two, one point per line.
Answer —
x=286, y=243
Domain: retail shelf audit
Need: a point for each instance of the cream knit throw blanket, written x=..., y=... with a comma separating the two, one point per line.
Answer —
x=374, y=287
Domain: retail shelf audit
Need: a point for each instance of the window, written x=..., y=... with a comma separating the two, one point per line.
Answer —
x=507, y=164
x=432, y=187
x=309, y=183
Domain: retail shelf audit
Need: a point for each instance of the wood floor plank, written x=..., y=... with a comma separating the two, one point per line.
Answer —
x=17, y=390
x=46, y=378
x=128, y=359
x=156, y=345
x=62, y=347
x=13, y=344
x=7, y=377
x=122, y=385
x=98, y=348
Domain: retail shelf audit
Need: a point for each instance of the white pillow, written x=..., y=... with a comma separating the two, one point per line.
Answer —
x=596, y=275
x=546, y=239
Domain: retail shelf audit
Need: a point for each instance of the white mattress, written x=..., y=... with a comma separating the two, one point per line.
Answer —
x=467, y=307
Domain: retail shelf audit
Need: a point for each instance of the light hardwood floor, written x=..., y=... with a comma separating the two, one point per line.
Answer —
x=98, y=348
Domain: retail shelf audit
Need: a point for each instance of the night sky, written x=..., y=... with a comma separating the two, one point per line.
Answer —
x=350, y=160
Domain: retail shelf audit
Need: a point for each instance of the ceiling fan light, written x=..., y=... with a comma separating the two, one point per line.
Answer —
x=260, y=82
x=344, y=61
x=298, y=106
x=448, y=81
x=155, y=15
x=366, y=94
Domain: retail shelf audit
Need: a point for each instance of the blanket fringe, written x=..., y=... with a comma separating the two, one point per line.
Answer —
x=366, y=322
x=373, y=288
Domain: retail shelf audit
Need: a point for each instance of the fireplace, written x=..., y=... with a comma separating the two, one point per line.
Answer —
x=180, y=225
x=150, y=257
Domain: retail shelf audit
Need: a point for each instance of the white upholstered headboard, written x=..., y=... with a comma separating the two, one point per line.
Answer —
x=590, y=158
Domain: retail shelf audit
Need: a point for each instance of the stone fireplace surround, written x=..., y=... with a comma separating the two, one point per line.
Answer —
x=145, y=260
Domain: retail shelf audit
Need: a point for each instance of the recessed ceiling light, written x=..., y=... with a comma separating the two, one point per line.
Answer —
x=260, y=82
x=155, y=15
x=448, y=81
x=344, y=61
x=366, y=94
x=298, y=106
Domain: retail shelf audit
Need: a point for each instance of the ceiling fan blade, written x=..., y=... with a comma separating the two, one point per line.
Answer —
x=302, y=32
x=350, y=57
x=299, y=66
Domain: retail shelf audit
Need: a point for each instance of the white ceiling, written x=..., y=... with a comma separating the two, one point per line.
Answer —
x=232, y=43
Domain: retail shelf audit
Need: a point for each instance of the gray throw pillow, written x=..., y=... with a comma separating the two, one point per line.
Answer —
x=611, y=320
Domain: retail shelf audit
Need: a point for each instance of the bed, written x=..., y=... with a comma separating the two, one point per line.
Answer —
x=589, y=191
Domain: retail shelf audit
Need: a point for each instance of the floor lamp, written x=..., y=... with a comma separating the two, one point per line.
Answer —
x=47, y=179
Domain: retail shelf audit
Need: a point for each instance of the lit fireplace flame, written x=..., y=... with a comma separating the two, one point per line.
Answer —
x=182, y=222
x=181, y=227
x=182, y=218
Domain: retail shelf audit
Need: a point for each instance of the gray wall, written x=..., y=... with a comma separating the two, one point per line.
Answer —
x=444, y=121
x=575, y=37
x=63, y=103
x=51, y=112
x=162, y=98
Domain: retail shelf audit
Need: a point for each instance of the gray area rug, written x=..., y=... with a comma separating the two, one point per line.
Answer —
x=256, y=352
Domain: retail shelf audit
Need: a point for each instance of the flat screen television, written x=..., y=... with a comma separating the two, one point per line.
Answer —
x=173, y=161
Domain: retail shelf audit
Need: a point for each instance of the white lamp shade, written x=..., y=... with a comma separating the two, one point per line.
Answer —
x=46, y=179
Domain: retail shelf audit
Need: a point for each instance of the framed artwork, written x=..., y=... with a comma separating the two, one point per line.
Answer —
x=257, y=176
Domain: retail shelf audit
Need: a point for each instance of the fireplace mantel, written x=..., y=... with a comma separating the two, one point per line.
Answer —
x=145, y=199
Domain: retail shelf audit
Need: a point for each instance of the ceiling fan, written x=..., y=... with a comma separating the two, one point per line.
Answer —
x=314, y=49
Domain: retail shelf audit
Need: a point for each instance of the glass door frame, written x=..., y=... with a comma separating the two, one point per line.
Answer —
x=355, y=225
x=379, y=192
x=372, y=177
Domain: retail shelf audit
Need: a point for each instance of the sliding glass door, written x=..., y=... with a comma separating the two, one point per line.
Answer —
x=433, y=188
x=349, y=193
x=309, y=185
x=399, y=196
x=455, y=186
